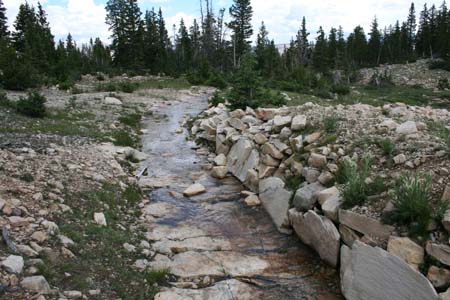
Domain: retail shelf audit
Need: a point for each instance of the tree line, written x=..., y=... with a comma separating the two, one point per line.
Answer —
x=210, y=49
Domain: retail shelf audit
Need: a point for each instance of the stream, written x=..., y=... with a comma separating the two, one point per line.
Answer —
x=216, y=246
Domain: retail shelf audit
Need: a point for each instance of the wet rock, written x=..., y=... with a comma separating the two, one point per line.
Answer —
x=13, y=264
x=154, y=183
x=252, y=200
x=193, y=190
x=439, y=251
x=439, y=277
x=317, y=232
x=306, y=197
x=219, y=172
x=220, y=160
x=100, y=219
x=36, y=284
x=160, y=209
x=275, y=199
x=231, y=289
x=365, y=225
x=372, y=273
x=407, y=250
x=201, y=243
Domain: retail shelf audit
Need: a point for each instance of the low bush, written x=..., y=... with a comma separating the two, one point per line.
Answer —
x=216, y=99
x=216, y=80
x=340, y=89
x=411, y=199
x=66, y=85
x=443, y=84
x=440, y=64
x=32, y=106
x=132, y=120
x=128, y=87
x=330, y=123
x=387, y=146
x=123, y=139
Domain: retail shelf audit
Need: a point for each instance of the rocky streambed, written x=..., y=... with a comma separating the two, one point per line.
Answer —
x=215, y=245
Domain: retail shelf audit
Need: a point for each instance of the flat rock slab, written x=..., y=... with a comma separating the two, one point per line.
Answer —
x=213, y=264
x=203, y=243
x=155, y=183
x=369, y=273
x=174, y=233
x=365, y=225
x=225, y=290
x=275, y=199
x=160, y=209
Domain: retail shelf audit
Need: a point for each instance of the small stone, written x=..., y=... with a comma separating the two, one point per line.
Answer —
x=439, y=251
x=129, y=247
x=94, y=292
x=65, y=240
x=100, y=219
x=439, y=277
x=13, y=264
x=36, y=284
x=18, y=221
x=298, y=122
x=317, y=160
x=260, y=139
x=400, y=159
x=220, y=160
x=313, y=137
x=194, y=189
x=252, y=200
x=407, y=128
x=73, y=294
x=39, y=236
x=112, y=101
x=219, y=172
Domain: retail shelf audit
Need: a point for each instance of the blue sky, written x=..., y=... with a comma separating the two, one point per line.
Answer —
x=85, y=18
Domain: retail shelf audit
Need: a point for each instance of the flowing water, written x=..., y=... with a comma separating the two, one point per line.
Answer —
x=224, y=249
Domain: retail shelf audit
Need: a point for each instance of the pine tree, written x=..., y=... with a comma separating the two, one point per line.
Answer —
x=374, y=44
x=303, y=44
x=320, y=57
x=241, y=13
x=411, y=27
x=183, y=48
x=333, y=48
x=262, y=43
x=424, y=34
x=4, y=32
x=357, y=46
x=195, y=37
x=341, y=46
x=151, y=42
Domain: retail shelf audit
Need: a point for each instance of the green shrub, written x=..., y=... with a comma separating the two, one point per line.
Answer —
x=123, y=138
x=340, y=89
x=440, y=64
x=32, y=106
x=330, y=123
x=387, y=146
x=100, y=77
x=355, y=190
x=132, y=120
x=128, y=87
x=411, y=199
x=345, y=168
x=323, y=93
x=443, y=84
x=216, y=80
x=66, y=85
x=4, y=101
x=216, y=99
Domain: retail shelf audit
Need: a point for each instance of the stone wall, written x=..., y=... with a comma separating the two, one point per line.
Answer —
x=265, y=148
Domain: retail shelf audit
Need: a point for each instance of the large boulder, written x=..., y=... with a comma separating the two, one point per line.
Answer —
x=306, y=197
x=369, y=273
x=242, y=158
x=318, y=232
x=275, y=199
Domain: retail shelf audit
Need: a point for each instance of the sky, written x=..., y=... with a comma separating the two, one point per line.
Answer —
x=86, y=18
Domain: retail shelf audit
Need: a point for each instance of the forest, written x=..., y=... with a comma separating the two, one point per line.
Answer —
x=213, y=51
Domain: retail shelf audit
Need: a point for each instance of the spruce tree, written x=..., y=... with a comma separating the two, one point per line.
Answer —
x=262, y=43
x=411, y=27
x=374, y=43
x=333, y=48
x=424, y=34
x=303, y=44
x=4, y=32
x=241, y=13
x=320, y=55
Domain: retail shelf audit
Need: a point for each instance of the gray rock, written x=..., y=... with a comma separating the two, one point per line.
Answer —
x=241, y=158
x=298, y=122
x=281, y=121
x=112, y=101
x=365, y=225
x=369, y=273
x=439, y=252
x=317, y=161
x=407, y=128
x=13, y=264
x=317, y=232
x=219, y=172
x=331, y=207
x=306, y=197
x=275, y=199
x=439, y=277
x=36, y=284
x=407, y=250
x=220, y=160
x=348, y=236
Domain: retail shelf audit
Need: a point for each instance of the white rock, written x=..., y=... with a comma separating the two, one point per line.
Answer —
x=369, y=273
x=36, y=284
x=13, y=264
x=73, y=294
x=112, y=101
x=407, y=128
x=298, y=122
x=194, y=189
x=100, y=219
x=220, y=160
x=219, y=172
x=400, y=159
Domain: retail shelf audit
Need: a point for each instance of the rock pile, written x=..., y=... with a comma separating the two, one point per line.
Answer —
x=269, y=149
